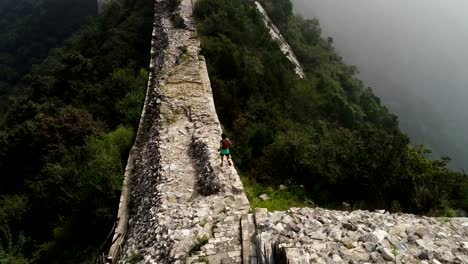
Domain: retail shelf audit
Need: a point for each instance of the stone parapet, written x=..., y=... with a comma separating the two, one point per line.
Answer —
x=138, y=155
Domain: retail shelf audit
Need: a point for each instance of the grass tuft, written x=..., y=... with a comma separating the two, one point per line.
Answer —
x=281, y=200
x=201, y=241
x=135, y=257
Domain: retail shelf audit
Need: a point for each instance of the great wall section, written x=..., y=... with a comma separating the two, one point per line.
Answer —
x=178, y=205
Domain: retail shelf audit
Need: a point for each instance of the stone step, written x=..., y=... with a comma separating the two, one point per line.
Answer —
x=225, y=244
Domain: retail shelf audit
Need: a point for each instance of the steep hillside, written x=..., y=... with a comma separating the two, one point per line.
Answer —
x=29, y=29
x=327, y=132
x=65, y=137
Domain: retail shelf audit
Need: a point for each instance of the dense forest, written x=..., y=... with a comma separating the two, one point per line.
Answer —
x=67, y=124
x=327, y=132
x=30, y=28
x=69, y=114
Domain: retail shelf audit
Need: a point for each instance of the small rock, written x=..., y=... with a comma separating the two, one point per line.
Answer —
x=336, y=258
x=368, y=238
x=293, y=227
x=203, y=212
x=282, y=187
x=318, y=235
x=435, y=261
x=347, y=242
x=423, y=255
x=380, y=234
x=464, y=245
x=377, y=258
x=443, y=256
x=181, y=234
x=237, y=190
x=287, y=219
x=420, y=243
x=336, y=235
x=369, y=246
x=323, y=220
x=264, y=197
x=441, y=235
x=387, y=254
x=181, y=131
x=349, y=226
x=279, y=227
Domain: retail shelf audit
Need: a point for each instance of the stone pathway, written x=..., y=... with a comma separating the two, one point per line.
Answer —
x=192, y=209
x=224, y=246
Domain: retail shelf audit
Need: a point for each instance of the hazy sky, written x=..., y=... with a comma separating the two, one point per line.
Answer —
x=414, y=54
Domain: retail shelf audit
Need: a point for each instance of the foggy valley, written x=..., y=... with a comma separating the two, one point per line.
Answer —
x=413, y=55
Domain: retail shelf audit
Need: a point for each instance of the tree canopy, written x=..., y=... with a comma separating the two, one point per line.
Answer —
x=327, y=131
x=67, y=127
x=31, y=28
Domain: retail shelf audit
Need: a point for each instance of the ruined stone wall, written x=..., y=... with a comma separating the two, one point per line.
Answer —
x=179, y=205
x=276, y=35
x=176, y=196
x=315, y=235
x=138, y=156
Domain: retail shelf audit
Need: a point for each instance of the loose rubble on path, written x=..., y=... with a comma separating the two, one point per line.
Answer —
x=324, y=236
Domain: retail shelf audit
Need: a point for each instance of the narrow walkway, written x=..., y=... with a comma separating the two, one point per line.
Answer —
x=191, y=208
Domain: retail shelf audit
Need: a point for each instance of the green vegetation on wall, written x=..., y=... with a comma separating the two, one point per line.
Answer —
x=327, y=131
x=65, y=134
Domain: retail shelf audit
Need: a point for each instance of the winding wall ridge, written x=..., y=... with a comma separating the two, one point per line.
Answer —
x=175, y=193
x=276, y=35
x=178, y=205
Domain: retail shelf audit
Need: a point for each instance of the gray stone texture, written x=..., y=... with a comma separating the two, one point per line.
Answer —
x=181, y=206
x=326, y=236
